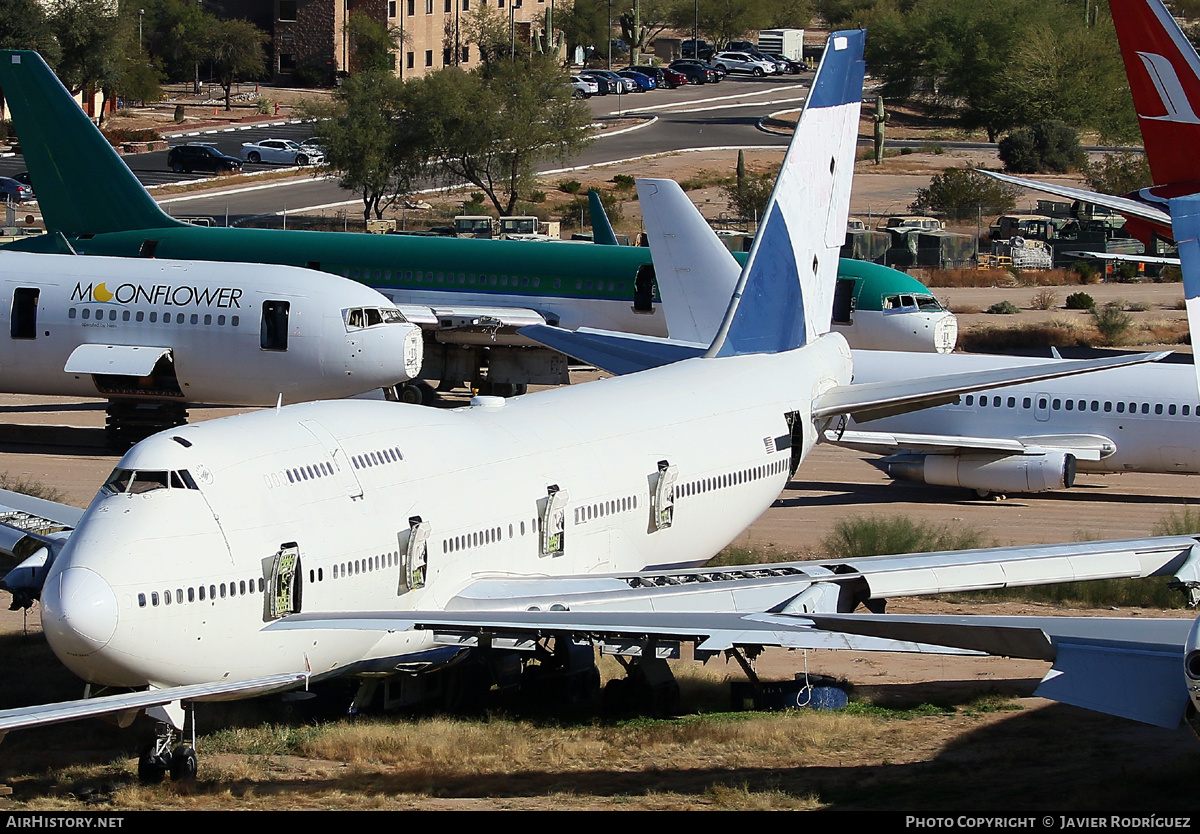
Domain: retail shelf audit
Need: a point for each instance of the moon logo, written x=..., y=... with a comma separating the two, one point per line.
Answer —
x=101, y=293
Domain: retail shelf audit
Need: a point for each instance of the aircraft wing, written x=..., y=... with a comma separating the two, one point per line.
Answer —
x=872, y=400
x=32, y=532
x=1133, y=259
x=1126, y=206
x=132, y=702
x=1082, y=446
x=649, y=602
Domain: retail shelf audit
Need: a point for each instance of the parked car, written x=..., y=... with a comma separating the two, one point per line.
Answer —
x=698, y=72
x=790, y=65
x=663, y=77
x=196, y=157
x=24, y=179
x=705, y=51
x=282, y=151
x=642, y=83
x=744, y=62
x=583, y=87
x=17, y=192
x=615, y=83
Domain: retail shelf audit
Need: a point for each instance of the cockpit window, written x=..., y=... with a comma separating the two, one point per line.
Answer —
x=928, y=304
x=359, y=317
x=136, y=481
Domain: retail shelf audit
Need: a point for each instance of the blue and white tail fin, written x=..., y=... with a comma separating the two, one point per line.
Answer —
x=1185, y=219
x=695, y=273
x=784, y=297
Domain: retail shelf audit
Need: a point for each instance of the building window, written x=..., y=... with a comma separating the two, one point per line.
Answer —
x=466, y=54
x=429, y=57
x=287, y=62
x=409, y=60
x=412, y=9
x=446, y=7
x=287, y=10
x=392, y=8
x=428, y=6
x=446, y=57
x=466, y=5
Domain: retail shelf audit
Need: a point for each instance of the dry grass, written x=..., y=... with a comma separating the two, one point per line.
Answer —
x=1069, y=333
x=995, y=278
x=1044, y=299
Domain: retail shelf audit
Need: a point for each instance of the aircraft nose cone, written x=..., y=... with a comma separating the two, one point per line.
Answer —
x=79, y=611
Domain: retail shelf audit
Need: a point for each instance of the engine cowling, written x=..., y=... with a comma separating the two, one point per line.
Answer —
x=987, y=473
x=1191, y=675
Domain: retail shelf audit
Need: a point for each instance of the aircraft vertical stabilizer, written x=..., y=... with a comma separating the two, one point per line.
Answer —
x=602, y=230
x=83, y=186
x=694, y=299
x=1164, y=77
x=1185, y=217
x=784, y=297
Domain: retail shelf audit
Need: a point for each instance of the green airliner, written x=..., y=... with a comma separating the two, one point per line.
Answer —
x=469, y=296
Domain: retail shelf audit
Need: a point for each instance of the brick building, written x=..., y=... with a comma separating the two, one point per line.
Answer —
x=309, y=42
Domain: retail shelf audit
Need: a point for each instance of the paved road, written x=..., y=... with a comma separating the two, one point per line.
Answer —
x=710, y=115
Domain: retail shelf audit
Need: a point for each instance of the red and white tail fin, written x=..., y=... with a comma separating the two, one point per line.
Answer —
x=1164, y=75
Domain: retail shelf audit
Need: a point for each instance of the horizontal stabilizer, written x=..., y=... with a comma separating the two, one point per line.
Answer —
x=1083, y=447
x=873, y=400
x=43, y=714
x=617, y=353
x=1124, y=205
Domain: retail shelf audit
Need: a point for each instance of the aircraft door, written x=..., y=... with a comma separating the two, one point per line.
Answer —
x=22, y=323
x=414, y=543
x=552, y=521
x=273, y=327
x=663, y=506
x=643, y=289
x=284, y=583
x=1041, y=408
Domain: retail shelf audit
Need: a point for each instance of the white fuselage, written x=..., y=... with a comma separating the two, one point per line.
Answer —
x=343, y=483
x=909, y=330
x=1149, y=412
x=206, y=318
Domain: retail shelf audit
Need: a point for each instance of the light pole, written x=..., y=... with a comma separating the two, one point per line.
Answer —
x=512, y=27
x=610, y=34
x=696, y=34
x=141, y=14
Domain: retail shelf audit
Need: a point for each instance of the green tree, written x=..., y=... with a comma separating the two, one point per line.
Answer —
x=1049, y=145
x=89, y=37
x=235, y=50
x=372, y=45
x=584, y=23
x=173, y=32
x=369, y=140
x=490, y=126
x=722, y=21
x=1119, y=173
x=963, y=193
x=24, y=25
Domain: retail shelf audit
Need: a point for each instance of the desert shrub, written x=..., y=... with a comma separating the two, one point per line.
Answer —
x=1138, y=306
x=570, y=186
x=178, y=113
x=264, y=107
x=1087, y=272
x=1003, y=308
x=749, y=199
x=1049, y=145
x=1080, y=301
x=1169, y=275
x=1185, y=522
x=1000, y=339
x=1119, y=173
x=537, y=196
x=874, y=535
x=1044, y=300
x=1127, y=273
x=30, y=486
x=623, y=181
x=1112, y=321
x=570, y=213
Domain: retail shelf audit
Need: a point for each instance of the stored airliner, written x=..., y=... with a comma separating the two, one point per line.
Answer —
x=275, y=549
x=153, y=336
x=469, y=296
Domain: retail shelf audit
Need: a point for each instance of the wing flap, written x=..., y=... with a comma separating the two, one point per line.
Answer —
x=1082, y=446
x=1126, y=206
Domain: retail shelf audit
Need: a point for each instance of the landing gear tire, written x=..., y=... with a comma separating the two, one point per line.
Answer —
x=507, y=389
x=417, y=393
x=183, y=764
x=152, y=767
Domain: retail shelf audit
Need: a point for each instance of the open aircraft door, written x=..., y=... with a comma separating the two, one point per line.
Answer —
x=662, y=511
x=414, y=543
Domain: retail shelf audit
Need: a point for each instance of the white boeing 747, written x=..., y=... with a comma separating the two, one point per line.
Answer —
x=270, y=550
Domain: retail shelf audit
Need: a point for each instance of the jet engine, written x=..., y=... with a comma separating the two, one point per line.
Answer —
x=1191, y=673
x=986, y=473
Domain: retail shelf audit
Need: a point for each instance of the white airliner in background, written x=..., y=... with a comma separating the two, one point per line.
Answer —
x=151, y=336
x=269, y=550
